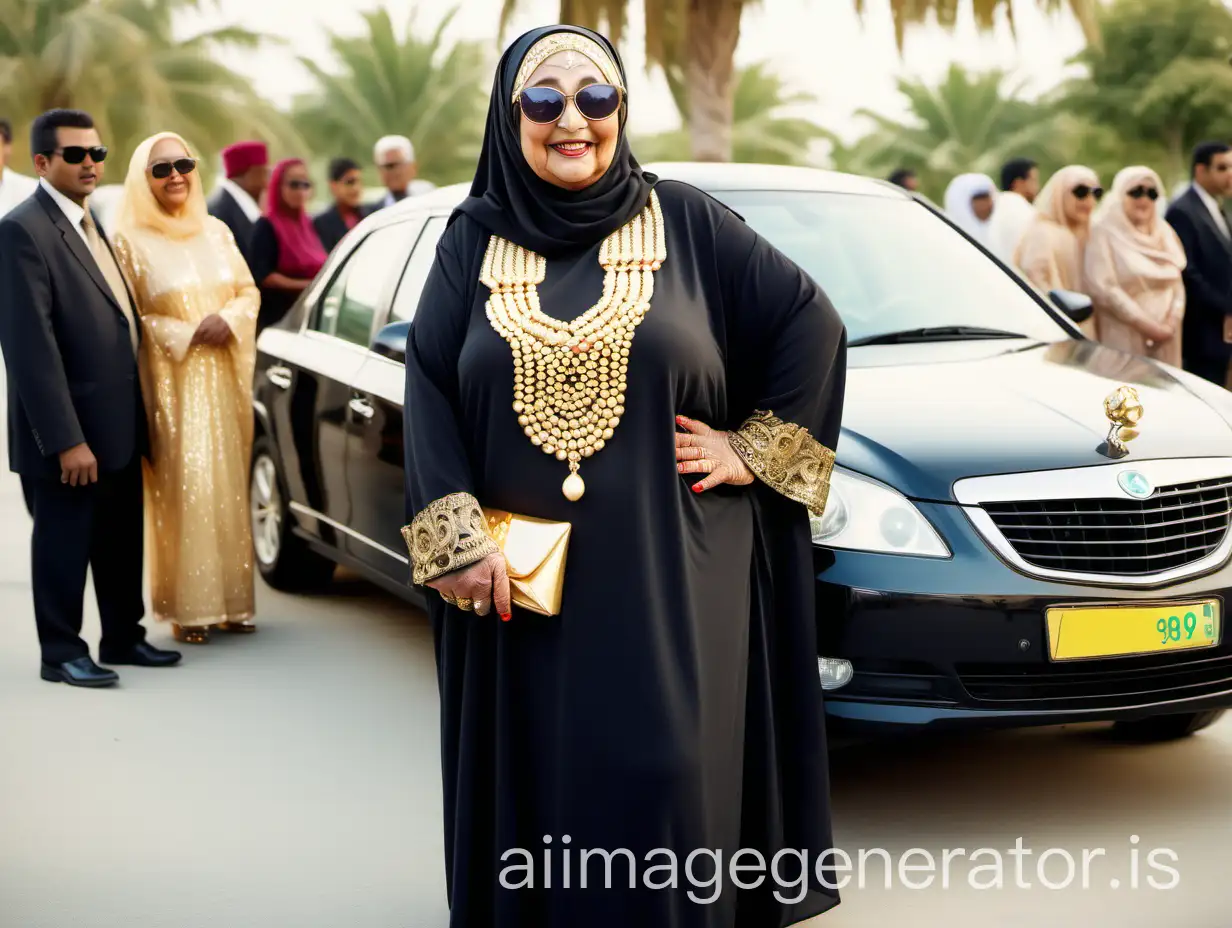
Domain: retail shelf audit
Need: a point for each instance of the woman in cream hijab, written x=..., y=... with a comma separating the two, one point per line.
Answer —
x=198, y=308
x=1133, y=269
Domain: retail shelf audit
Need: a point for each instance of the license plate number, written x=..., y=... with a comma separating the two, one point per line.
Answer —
x=1091, y=632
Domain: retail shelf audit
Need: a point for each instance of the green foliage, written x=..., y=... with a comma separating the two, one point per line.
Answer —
x=761, y=133
x=118, y=60
x=1162, y=79
x=400, y=82
x=912, y=13
x=969, y=122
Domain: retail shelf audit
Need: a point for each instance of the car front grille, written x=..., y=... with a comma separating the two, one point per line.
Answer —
x=1100, y=684
x=1173, y=528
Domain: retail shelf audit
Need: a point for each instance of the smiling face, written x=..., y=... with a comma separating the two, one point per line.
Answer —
x=1078, y=211
x=1140, y=210
x=171, y=192
x=571, y=152
x=296, y=187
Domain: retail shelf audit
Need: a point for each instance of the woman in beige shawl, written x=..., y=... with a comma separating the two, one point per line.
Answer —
x=1050, y=254
x=198, y=307
x=1133, y=269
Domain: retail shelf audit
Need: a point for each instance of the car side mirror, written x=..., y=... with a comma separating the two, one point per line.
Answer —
x=390, y=341
x=1077, y=306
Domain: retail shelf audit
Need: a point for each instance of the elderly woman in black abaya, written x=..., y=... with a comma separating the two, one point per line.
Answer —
x=597, y=347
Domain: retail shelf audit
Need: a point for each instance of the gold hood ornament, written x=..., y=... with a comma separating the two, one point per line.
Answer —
x=1124, y=410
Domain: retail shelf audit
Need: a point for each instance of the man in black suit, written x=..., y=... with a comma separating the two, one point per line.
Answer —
x=76, y=423
x=1201, y=224
x=346, y=183
x=238, y=198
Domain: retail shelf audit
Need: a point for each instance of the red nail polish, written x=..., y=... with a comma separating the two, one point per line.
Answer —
x=697, y=488
x=506, y=617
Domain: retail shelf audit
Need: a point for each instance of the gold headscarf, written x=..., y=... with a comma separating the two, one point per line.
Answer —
x=549, y=45
x=140, y=209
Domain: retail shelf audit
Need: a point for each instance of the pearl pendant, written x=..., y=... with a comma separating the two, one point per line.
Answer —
x=573, y=488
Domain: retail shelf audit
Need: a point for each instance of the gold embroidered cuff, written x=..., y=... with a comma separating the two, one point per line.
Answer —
x=786, y=458
x=446, y=535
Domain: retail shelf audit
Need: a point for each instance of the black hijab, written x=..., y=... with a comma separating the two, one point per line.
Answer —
x=511, y=201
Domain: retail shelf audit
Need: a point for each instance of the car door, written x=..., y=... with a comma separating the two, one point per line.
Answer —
x=376, y=461
x=319, y=365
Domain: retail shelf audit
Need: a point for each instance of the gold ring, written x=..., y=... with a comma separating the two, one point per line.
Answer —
x=448, y=597
x=464, y=604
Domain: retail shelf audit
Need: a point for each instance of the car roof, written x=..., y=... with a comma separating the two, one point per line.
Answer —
x=711, y=177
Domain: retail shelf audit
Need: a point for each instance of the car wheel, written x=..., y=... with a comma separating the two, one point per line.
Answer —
x=285, y=560
x=1167, y=727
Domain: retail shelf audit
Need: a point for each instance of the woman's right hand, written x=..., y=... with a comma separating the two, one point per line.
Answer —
x=1157, y=332
x=483, y=583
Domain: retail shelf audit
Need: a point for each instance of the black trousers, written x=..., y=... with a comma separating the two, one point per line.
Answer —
x=1213, y=369
x=101, y=527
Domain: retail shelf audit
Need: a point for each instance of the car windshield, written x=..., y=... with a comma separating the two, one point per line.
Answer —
x=890, y=265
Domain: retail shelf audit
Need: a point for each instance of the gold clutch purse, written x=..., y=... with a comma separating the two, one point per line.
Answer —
x=534, y=552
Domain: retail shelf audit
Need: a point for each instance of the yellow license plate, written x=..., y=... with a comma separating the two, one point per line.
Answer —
x=1078, y=633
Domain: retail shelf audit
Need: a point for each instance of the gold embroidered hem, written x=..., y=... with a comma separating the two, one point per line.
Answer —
x=446, y=535
x=786, y=458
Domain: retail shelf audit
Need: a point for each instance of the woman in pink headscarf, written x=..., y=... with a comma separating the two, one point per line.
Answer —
x=1133, y=269
x=286, y=252
x=1052, y=249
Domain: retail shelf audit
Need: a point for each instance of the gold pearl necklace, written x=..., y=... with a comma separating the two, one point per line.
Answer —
x=570, y=377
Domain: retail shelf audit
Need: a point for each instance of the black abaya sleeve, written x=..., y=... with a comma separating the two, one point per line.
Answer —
x=445, y=530
x=787, y=365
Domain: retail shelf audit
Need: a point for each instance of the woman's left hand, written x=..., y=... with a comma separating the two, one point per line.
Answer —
x=702, y=450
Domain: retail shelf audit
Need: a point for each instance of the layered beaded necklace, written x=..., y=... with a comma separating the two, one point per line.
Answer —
x=570, y=377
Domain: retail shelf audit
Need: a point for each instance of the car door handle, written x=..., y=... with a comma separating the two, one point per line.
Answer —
x=362, y=407
x=279, y=377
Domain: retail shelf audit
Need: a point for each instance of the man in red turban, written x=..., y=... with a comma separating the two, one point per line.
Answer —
x=238, y=198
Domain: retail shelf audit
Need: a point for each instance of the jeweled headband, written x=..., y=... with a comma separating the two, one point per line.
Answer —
x=549, y=45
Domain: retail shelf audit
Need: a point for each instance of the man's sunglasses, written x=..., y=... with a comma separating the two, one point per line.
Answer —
x=300, y=184
x=75, y=154
x=543, y=105
x=1082, y=191
x=182, y=166
x=1137, y=193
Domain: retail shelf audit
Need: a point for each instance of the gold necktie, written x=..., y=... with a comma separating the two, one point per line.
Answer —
x=111, y=272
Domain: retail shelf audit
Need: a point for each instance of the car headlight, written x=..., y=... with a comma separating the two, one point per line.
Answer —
x=865, y=515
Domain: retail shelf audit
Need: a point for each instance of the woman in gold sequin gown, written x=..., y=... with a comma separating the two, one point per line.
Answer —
x=198, y=306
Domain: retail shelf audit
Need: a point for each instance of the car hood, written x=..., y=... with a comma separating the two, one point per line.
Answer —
x=920, y=417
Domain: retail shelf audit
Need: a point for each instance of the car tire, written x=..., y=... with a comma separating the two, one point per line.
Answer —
x=285, y=560
x=1167, y=727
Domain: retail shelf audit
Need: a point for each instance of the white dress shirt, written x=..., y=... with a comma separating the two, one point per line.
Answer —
x=14, y=188
x=241, y=196
x=1010, y=217
x=71, y=210
x=1212, y=207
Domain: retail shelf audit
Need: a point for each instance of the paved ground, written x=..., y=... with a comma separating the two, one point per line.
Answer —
x=291, y=779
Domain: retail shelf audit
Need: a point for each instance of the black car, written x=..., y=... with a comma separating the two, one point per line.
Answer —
x=990, y=555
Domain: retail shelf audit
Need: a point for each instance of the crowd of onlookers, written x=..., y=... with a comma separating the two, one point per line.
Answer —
x=1158, y=271
x=265, y=205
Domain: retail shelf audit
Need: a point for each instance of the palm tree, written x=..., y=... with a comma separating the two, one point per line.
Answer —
x=760, y=132
x=969, y=122
x=911, y=13
x=119, y=60
x=697, y=39
x=389, y=83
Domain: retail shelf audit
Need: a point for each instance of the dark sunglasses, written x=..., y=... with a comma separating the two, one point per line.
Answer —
x=182, y=166
x=1141, y=191
x=75, y=154
x=1082, y=191
x=543, y=105
x=300, y=184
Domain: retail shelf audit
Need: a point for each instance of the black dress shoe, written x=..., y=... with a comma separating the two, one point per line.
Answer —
x=81, y=672
x=142, y=654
